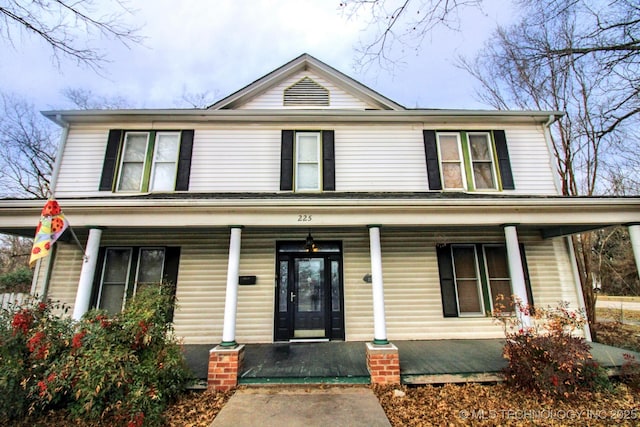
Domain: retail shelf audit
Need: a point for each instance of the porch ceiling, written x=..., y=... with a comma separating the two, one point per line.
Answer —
x=552, y=216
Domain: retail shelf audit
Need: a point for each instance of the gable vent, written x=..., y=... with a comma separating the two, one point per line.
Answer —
x=306, y=92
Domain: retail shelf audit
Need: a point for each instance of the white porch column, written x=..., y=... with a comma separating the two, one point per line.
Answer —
x=379, y=322
x=231, y=298
x=634, y=236
x=516, y=271
x=87, y=273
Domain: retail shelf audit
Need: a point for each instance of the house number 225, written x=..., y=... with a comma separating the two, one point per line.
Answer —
x=305, y=218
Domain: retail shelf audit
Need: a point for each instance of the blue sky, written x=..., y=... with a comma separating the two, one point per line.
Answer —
x=196, y=46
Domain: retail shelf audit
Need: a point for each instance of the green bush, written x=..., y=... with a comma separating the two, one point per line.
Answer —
x=16, y=281
x=30, y=338
x=123, y=369
x=545, y=356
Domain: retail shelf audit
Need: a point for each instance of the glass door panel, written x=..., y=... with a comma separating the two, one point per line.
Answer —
x=309, y=298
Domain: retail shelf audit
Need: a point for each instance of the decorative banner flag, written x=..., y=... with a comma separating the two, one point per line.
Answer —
x=52, y=225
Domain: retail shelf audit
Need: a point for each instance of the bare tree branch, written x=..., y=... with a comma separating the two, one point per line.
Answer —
x=86, y=99
x=68, y=25
x=400, y=25
x=28, y=150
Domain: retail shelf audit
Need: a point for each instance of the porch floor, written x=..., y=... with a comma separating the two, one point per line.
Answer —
x=421, y=362
x=324, y=362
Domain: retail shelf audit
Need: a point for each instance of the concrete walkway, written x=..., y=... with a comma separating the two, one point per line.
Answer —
x=302, y=407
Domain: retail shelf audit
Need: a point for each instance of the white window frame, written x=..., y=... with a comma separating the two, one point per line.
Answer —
x=478, y=281
x=486, y=271
x=104, y=270
x=461, y=161
x=155, y=162
x=122, y=161
x=489, y=142
x=148, y=171
x=146, y=248
x=297, y=162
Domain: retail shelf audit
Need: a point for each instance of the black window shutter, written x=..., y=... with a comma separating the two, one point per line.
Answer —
x=110, y=160
x=97, y=277
x=184, y=160
x=503, y=160
x=171, y=264
x=447, y=282
x=286, y=161
x=527, y=279
x=431, y=154
x=328, y=161
x=170, y=277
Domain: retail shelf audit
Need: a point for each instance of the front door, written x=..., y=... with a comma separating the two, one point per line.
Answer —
x=309, y=293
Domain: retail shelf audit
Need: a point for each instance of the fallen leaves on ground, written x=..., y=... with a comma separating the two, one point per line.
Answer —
x=618, y=335
x=196, y=408
x=498, y=405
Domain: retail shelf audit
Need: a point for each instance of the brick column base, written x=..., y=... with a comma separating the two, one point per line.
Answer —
x=224, y=365
x=383, y=363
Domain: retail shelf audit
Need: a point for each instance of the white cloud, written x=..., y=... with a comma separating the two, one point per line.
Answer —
x=220, y=46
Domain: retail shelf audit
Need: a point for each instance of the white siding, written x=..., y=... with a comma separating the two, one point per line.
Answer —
x=65, y=275
x=530, y=161
x=229, y=160
x=380, y=158
x=82, y=161
x=274, y=96
x=247, y=159
x=410, y=272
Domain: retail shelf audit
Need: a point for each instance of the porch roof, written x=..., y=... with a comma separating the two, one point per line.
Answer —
x=550, y=215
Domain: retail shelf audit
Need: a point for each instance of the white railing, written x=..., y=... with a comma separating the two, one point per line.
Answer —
x=15, y=299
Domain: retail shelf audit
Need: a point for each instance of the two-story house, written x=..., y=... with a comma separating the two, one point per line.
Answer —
x=306, y=206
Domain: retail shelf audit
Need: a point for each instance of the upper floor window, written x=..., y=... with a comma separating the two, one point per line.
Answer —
x=483, y=170
x=308, y=170
x=468, y=160
x=307, y=161
x=141, y=161
x=149, y=160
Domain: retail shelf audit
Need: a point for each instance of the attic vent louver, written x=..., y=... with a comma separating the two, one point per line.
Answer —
x=306, y=92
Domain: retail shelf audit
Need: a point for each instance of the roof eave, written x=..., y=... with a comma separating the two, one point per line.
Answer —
x=297, y=115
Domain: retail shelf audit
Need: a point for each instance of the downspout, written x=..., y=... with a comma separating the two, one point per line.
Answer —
x=52, y=188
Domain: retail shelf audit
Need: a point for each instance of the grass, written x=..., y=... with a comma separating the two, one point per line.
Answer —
x=617, y=315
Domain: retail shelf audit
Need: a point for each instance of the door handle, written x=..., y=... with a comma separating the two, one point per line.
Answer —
x=292, y=297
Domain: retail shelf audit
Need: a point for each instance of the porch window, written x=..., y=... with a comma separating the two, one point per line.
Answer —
x=472, y=276
x=497, y=268
x=123, y=270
